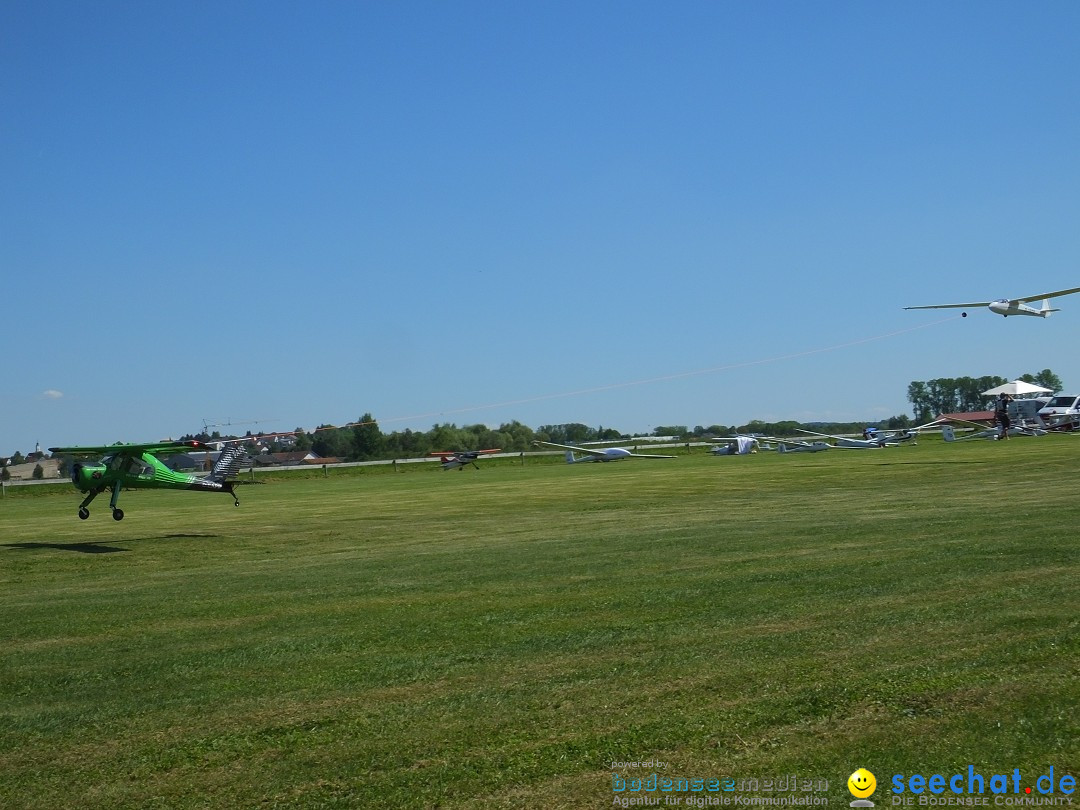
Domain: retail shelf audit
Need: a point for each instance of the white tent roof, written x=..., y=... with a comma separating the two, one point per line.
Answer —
x=1017, y=387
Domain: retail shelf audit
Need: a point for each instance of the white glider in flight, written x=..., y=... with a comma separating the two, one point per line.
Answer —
x=1010, y=306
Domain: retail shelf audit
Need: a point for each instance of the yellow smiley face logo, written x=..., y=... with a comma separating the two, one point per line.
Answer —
x=861, y=783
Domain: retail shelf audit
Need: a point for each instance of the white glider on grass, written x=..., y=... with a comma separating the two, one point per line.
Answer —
x=876, y=439
x=596, y=454
x=992, y=433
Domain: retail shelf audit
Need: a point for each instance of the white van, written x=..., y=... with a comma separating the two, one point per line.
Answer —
x=1062, y=411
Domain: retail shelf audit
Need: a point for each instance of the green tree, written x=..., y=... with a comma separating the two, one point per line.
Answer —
x=1046, y=378
x=719, y=430
x=671, y=430
x=919, y=398
x=898, y=422
x=570, y=433
x=949, y=395
x=970, y=394
x=5, y=474
x=332, y=442
x=576, y=433
x=446, y=437
x=39, y=472
x=785, y=428
x=367, y=440
x=472, y=437
x=406, y=444
x=481, y=437
x=521, y=437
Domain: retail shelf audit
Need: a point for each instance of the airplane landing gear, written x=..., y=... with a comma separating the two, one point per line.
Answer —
x=117, y=514
x=84, y=513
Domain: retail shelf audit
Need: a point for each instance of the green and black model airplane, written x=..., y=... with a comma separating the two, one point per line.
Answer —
x=137, y=466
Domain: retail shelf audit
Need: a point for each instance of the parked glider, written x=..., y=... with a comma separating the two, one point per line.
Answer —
x=138, y=466
x=875, y=439
x=458, y=461
x=597, y=454
x=798, y=446
x=992, y=433
x=1010, y=306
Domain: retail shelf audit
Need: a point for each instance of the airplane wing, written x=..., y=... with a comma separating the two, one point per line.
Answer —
x=849, y=443
x=822, y=435
x=972, y=304
x=797, y=442
x=599, y=453
x=980, y=425
x=1047, y=295
x=934, y=423
x=155, y=448
x=463, y=453
x=586, y=450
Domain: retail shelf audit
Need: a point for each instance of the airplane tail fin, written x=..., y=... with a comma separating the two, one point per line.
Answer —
x=228, y=463
x=570, y=457
x=1046, y=309
x=947, y=433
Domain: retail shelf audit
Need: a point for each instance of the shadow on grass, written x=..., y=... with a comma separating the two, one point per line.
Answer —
x=95, y=548
x=82, y=548
x=935, y=462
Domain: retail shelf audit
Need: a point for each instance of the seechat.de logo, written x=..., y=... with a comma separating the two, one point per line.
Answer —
x=862, y=784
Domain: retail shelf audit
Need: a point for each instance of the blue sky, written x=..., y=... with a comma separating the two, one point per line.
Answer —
x=625, y=214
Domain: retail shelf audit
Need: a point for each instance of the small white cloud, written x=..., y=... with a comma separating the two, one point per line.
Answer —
x=52, y=393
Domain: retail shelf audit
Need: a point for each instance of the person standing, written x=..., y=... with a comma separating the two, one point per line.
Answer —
x=1001, y=413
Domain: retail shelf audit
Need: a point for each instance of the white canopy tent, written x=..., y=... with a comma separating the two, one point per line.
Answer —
x=1017, y=388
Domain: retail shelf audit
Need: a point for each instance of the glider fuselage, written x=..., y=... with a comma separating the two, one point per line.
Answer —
x=1005, y=307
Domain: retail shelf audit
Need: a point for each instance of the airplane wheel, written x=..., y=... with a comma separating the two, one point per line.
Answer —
x=117, y=514
x=84, y=513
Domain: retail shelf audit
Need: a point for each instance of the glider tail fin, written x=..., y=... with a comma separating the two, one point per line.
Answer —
x=1046, y=309
x=947, y=433
x=570, y=457
x=228, y=463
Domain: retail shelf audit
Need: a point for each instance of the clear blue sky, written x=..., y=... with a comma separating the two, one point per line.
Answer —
x=479, y=212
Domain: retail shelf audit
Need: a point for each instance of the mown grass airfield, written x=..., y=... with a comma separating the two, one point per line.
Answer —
x=514, y=636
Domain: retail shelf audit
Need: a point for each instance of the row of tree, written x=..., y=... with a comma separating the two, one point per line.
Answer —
x=963, y=394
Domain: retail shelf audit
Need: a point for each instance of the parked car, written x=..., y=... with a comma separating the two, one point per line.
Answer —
x=1062, y=412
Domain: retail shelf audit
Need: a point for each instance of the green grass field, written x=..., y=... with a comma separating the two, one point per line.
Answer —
x=498, y=638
